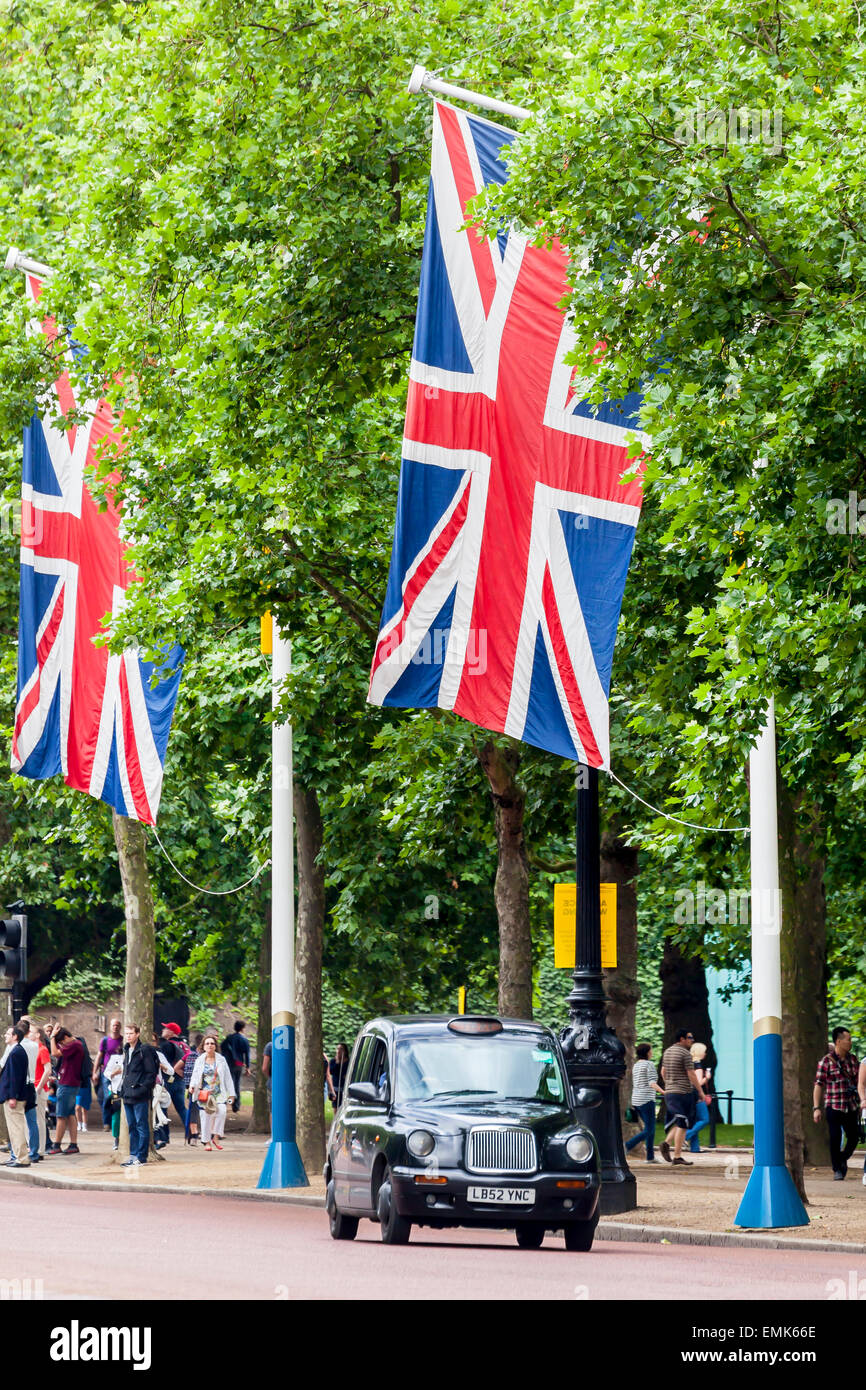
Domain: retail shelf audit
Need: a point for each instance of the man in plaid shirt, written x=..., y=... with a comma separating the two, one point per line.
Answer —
x=837, y=1077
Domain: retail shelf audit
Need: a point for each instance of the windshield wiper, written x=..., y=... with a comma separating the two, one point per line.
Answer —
x=533, y=1100
x=471, y=1091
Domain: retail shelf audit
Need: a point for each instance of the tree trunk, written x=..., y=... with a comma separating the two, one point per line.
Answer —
x=308, y=980
x=140, y=928
x=511, y=890
x=619, y=865
x=685, y=999
x=260, y=1120
x=802, y=859
x=140, y=937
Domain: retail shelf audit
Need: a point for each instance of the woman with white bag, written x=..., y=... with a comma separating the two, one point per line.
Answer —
x=212, y=1089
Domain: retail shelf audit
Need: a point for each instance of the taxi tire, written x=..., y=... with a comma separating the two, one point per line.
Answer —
x=530, y=1235
x=396, y=1229
x=579, y=1235
x=342, y=1227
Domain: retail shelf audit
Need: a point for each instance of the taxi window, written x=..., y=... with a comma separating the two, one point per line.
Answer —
x=360, y=1071
x=379, y=1065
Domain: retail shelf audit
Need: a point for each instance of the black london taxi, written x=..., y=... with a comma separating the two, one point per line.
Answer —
x=461, y=1121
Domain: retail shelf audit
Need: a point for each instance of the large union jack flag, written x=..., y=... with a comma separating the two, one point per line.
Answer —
x=81, y=712
x=514, y=530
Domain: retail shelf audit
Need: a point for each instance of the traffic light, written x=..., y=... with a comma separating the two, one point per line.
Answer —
x=13, y=949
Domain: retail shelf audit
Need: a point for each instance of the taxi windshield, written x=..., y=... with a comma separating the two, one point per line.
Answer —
x=466, y=1070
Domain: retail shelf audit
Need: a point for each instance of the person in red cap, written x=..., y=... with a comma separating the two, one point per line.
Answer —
x=175, y=1055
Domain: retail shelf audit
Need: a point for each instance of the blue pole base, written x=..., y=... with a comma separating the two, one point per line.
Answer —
x=282, y=1166
x=771, y=1200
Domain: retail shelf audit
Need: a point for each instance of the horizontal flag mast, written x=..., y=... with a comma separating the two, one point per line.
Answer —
x=16, y=260
x=424, y=81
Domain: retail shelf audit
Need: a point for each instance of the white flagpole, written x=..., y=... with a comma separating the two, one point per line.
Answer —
x=770, y=1200
x=422, y=80
x=283, y=1166
x=16, y=260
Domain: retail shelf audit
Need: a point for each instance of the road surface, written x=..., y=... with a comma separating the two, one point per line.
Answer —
x=96, y=1245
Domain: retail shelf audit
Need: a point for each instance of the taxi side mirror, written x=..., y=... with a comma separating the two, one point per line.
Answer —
x=365, y=1092
x=587, y=1097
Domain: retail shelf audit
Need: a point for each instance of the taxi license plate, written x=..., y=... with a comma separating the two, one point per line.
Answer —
x=502, y=1196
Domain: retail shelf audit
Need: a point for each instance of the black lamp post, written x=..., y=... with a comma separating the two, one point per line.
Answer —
x=594, y=1054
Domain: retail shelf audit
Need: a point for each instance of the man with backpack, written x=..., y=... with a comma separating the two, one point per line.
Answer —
x=175, y=1052
x=110, y=1046
x=236, y=1050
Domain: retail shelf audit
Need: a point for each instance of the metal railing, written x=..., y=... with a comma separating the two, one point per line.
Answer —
x=729, y=1097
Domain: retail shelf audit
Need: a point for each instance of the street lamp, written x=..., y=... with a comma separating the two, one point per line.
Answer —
x=594, y=1055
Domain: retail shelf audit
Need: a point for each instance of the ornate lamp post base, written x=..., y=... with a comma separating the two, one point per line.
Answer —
x=594, y=1055
x=595, y=1059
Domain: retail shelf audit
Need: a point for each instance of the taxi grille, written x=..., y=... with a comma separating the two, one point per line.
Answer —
x=496, y=1149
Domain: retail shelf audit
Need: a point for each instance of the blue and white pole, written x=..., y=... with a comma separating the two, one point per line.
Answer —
x=282, y=1166
x=770, y=1199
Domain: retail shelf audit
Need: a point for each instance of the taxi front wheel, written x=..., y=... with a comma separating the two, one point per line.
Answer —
x=342, y=1227
x=395, y=1228
x=579, y=1234
x=530, y=1236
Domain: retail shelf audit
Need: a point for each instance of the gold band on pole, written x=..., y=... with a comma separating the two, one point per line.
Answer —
x=767, y=1024
x=283, y=1019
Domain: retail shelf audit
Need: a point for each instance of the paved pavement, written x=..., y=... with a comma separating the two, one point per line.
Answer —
x=96, y=1245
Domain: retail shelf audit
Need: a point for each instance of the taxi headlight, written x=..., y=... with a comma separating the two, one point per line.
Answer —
x=420, y=1143
x=579, y=1148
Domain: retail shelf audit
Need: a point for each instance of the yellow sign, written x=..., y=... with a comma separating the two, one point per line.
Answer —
x=565, y=925
x=267, y=634
x=461, y=999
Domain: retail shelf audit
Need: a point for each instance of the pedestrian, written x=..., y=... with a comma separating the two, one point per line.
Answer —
x=236, y=1050
x=68, y=1052
x=682, y=1092
x=328, y=1092
x=42, y=1076
x=267, y=1068
x=140, y=1069
x=84, y=1096
x=338, y=1069
x=644, y=1081
x=112, y=1076
x=837, y=1078
x=31, y=1047
x=175, y=1052
x=14, y=1094
x=192, y=1115
x=110, y=1046
x=702, y=1108
x=212, y=1088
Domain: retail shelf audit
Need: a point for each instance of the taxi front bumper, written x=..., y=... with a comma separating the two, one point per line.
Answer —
x=443, y=1197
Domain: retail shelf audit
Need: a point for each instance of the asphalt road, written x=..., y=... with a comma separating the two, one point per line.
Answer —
x=96, y=1244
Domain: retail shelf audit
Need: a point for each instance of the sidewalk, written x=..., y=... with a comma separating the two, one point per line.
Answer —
x=694, y=1205
x=706, y=1196
x=185, y=1168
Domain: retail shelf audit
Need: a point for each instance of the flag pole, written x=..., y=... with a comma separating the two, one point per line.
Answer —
x=770, y=1200
x=283, y=1166
x=17, y=260
x=424, y=81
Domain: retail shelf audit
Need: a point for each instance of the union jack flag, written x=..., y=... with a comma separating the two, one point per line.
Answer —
x=514, y=532
x=85, y=714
